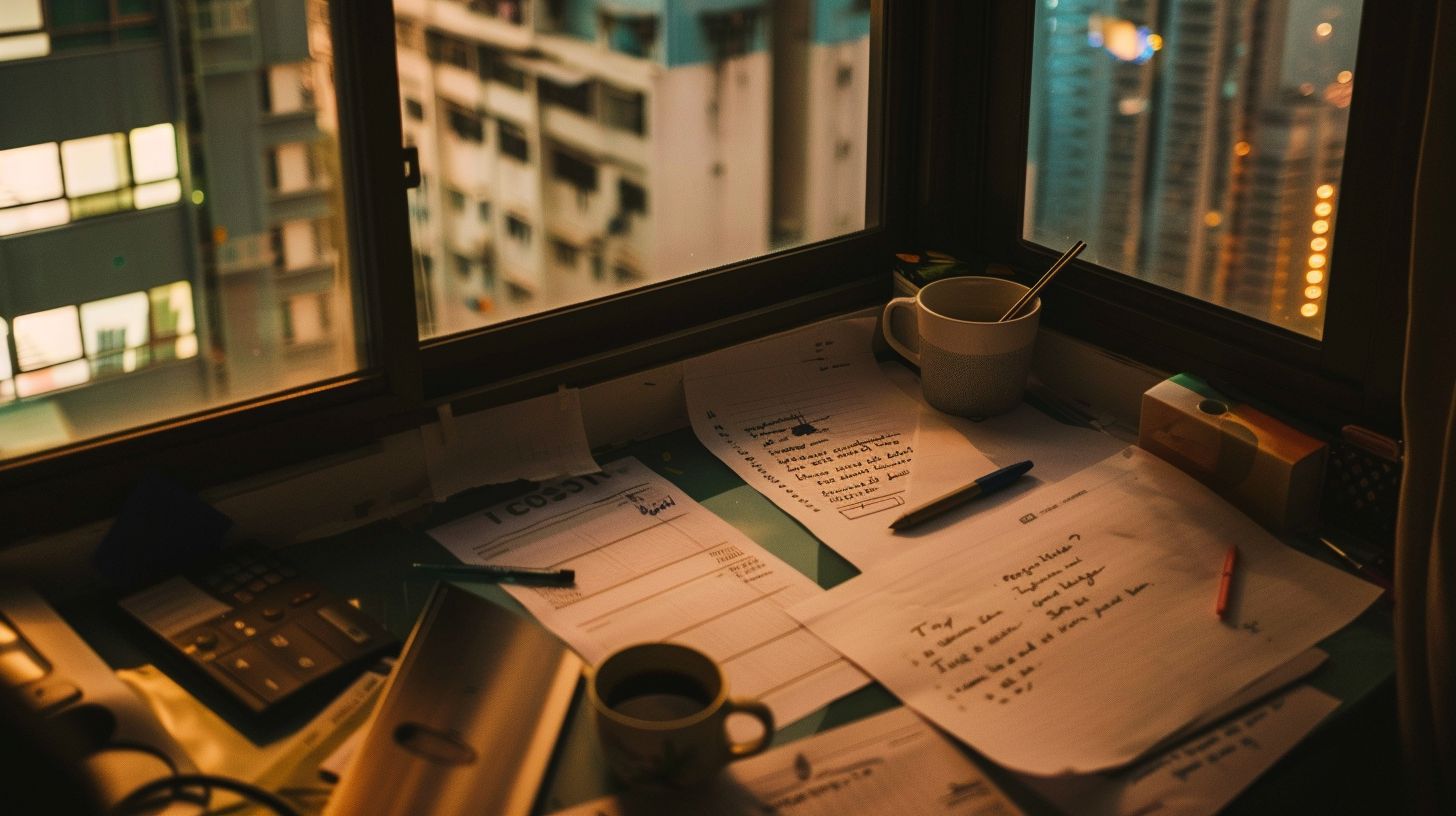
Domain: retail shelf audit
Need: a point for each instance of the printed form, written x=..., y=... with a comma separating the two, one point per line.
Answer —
x=653, y=565
x=893, y=762
x=1074, y=631
x=808, y=420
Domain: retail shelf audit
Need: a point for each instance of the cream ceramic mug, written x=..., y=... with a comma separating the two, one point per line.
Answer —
x=970, y=365
x=661, y=715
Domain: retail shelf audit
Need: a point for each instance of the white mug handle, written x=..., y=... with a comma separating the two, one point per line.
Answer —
x=887, y=326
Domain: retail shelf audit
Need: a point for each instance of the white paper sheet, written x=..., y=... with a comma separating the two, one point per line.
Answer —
x=1074, y=630
x=1202, y=774
x=653, y=565
x=808, y=419
x=536, y=439
x=891, y=763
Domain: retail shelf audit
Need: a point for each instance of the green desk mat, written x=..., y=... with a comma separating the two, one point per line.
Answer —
x=371, y=565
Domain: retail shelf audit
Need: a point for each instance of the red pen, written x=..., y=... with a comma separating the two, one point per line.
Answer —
x=1226, y=579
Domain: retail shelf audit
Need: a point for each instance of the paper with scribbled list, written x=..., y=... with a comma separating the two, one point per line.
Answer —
x=1073, y=631
x=808, y=419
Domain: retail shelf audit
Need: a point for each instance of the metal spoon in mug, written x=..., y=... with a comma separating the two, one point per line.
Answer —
x=1031, y=294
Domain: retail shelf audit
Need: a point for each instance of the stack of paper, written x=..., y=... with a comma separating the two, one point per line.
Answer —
x=653, y=565
x=1075, y=632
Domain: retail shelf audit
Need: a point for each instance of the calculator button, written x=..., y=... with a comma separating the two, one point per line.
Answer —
x=339, y=621
x=17, y=668
x=288, y=572
x=272, y=613
x=304, y=655
x=239, y=624
x=47, y=697
x=258, y=585
x=303, y=597
x=273, y=578
x=242, y=596
x=205, y=640
x=257, y=569
x=227, y=586
x=258, y=673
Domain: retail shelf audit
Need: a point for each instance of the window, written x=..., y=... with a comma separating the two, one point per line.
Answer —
x=463, y=123
x=770, y=144
x=1220, y=162
x=518, y=229
x=578, y=172
x=513, y=141
x=563, y=254
x=48, y=185
x=139, y=286
x=1199, y=148
x=289, y=358
x=623, y=110
x=576, y=97
x=631, y=197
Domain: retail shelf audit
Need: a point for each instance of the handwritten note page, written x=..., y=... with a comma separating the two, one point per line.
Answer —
x=889, y=763
x=653, y=565
x=535, y=439
x=1071, y=632
x=807, y=419
x=1202, y=774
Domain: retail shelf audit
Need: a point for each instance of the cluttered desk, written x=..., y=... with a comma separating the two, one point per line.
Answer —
x=826, y=597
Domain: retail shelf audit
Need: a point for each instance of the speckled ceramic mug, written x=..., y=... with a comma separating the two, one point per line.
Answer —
x=970, y=365
x=661, y=715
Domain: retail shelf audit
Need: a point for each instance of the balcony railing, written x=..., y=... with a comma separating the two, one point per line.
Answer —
x=224, y=18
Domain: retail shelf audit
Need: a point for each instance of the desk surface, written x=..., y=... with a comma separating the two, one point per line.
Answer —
x=372, y=565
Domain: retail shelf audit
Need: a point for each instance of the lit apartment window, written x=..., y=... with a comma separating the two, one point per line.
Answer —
x=287, y=88
x=44, y=339
x=513, y=141
x=7, y=385
x=21, y=36
x=51, y=184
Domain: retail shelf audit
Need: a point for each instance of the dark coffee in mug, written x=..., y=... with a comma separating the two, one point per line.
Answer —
x=660, y=696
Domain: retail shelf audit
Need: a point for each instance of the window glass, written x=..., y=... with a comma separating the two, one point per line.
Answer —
x=94, y=165
x=154, y=152
x=31, y=173
x=1196, y=145
x=46, y=338
x=658, y=139
x=139, y=273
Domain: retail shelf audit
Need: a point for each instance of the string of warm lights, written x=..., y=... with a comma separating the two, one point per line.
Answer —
x=1314, y=276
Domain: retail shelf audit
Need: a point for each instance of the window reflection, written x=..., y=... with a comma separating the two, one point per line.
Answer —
x=573, y=149
x=1196, y=145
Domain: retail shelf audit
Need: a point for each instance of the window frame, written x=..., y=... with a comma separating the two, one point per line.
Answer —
x=1352, y=376
x=62, y=488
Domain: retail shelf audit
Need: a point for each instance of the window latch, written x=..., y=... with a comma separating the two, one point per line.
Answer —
x=411, y=168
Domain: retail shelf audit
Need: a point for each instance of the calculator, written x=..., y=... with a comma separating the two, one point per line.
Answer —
x=259, y=629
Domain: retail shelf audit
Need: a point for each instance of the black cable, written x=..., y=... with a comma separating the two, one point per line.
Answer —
x=141, y=798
